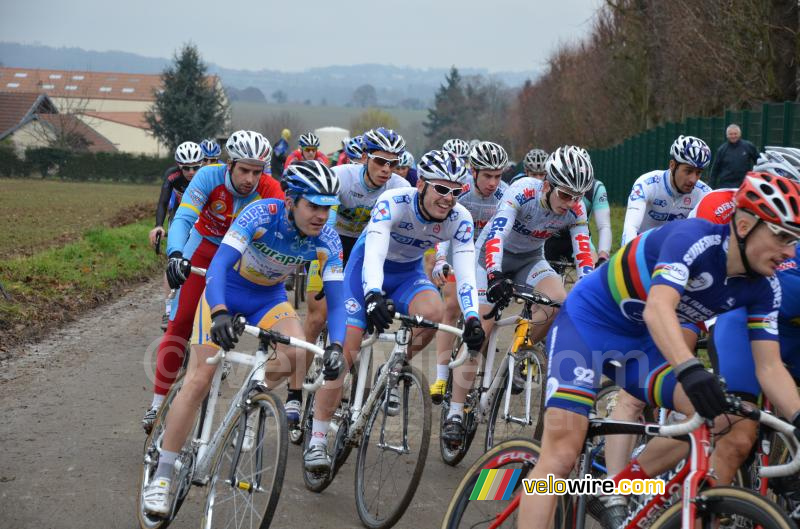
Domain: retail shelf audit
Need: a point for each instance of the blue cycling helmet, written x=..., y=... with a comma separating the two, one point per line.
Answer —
x=313, y=181
x=406, y=160
x=383, y=139
x=210, y=148
x=354, y=148
x=691, y=150
x=309, y=139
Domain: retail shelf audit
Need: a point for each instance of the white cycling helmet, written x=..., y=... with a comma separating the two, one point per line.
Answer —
x=249, y=147
x=188, y=152
x=406, y=160
x=691, y=150
x=487, y=155
x=383, y=139
x=442, y=165
x=534, y=161
x=774, y=162
x=457, y=146
x=568, y=168
x=308, y=139
x=790, y=154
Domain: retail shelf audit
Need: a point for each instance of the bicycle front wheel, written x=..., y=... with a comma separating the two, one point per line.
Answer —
x=728, y=507
x=248, y=468
x=393, y=452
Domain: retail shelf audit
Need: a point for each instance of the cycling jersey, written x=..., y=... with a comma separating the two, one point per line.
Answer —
x=397, y=236
x=602, y=319
x=174, y=184
x=596, y=202
x=208, y=206
x=524, y=222
x=654, y=201
x=357, y=198
x=297, y=156
x=263, y=246
x=716, y=207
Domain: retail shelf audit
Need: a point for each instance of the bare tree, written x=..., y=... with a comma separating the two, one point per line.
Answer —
x=272, y=125
x=67, y=127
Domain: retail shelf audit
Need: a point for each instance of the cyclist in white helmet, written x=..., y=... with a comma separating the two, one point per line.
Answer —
x=481, y=196
x=533, y=165
x=458, y=147
x=308, y=149
x=660, y=196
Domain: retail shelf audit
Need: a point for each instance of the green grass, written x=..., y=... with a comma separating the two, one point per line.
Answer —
x=617, y=220
x=39, y=214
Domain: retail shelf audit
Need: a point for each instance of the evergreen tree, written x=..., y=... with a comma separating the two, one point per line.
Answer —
x=446, y=118
x=190, y=107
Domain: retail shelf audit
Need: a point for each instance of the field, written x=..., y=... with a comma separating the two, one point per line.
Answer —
x=39, y=214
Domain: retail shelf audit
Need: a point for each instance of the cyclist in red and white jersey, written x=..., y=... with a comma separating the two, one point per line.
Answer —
x=308, y=150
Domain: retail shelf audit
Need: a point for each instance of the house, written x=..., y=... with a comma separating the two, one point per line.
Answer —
x=111, y=103
x=32, y=120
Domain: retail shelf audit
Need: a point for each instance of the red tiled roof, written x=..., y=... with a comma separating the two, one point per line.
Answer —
x=132, y=119
x=15, y=108
x=97, y=142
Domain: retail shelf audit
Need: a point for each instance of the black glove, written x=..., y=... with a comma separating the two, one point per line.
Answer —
x=500, y=289
x=380, y=312
x=703, y=390
x=222, y=332
x=178, y=269
x=796, y=422
x=332, y=361
x=600, y=260
x=473, y=334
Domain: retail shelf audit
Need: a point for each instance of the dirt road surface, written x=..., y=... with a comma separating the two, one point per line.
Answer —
x=70, y=408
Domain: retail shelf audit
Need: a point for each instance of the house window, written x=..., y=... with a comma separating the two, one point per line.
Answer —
x=111, y=78
x=128, y=90
x=21, y=74
x=48, y=86
x=71, y=87
x=55, y=76
x=13, y=85
x=77, y=78
x=105, y=88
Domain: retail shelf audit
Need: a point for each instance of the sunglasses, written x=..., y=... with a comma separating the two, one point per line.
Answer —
x=210, y=160
x=568, y=197
x=446, y=190
x=189, y=168
x=786, y=238
x=380, y=160
x=309, y=149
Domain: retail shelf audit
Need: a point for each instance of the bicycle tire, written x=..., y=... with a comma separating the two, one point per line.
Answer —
x=449, y=456
x=514, y=453
x=538, y=390
x=230, y=451
x=730, y=501
x=409, y=377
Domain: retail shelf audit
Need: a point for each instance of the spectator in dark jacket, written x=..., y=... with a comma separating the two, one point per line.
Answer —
x=734, y=158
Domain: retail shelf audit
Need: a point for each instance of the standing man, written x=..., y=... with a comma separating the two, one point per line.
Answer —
x=279, y=154
x=734, y=158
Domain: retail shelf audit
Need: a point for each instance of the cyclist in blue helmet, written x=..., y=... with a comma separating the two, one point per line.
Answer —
x=211, y=151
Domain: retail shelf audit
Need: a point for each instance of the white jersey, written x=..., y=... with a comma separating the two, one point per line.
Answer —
x=523, y=223
x=356, y=199
x=480, y=207
x=397, y=232
x=655, y=201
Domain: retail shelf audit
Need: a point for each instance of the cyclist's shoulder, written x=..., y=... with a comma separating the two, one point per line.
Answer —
x=400, y=196
x=650, y=178
x=396, y=181
x=701, y=189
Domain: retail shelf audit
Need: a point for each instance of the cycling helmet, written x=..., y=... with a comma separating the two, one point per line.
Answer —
x=774, y=162
x=442, y=165
x=773, y=199
x=457, y=146
x=210, y=149
x=406, y=160
x=312, y=180
x=790, y=154
x=308, y=139
x=383, y=139
x=534, y=161
x=488, y=155
x=354, y=148
x=188, y=152
x=691, y=150
x=249, y=146
x=570, y=169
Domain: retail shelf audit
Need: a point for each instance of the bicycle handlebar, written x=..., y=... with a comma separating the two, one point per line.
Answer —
x=534, y=298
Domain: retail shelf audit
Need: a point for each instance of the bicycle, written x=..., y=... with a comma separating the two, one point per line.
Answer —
x=243, y=460
x=392, y=444
x=296, y=434
x=510, y=401
x=686, y=496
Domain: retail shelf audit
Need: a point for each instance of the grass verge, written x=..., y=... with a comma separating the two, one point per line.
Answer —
x=56, y=285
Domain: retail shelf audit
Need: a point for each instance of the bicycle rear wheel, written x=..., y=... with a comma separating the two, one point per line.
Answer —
x=393, y=452
x=248, y=468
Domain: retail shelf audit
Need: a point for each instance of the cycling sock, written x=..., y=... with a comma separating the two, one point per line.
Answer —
x=295, y=394
x=157, y=400
x=319, y=433
x=633, y=471
x=166, y=464
x=456, y=408
x=442, y=372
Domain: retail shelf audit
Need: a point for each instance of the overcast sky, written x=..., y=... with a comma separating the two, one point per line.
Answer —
x=295, y=35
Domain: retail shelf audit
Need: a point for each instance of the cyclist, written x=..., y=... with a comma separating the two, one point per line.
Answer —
x=246, y=276
x=481, y=197
x=512, y=249
x=533, y=165
x=211, y=151
x=386, y=262
x=458, y=147
x=659, y=196
x=631, y=312
x=308, y=150
x=188, y=157
x=211, y=201
x=361, y=185
x=406, y=168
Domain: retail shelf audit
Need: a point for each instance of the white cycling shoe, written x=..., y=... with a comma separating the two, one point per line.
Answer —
x=156, y=498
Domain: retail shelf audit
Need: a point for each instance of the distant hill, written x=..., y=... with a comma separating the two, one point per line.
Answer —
x=332, y=85
x=249, y=94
